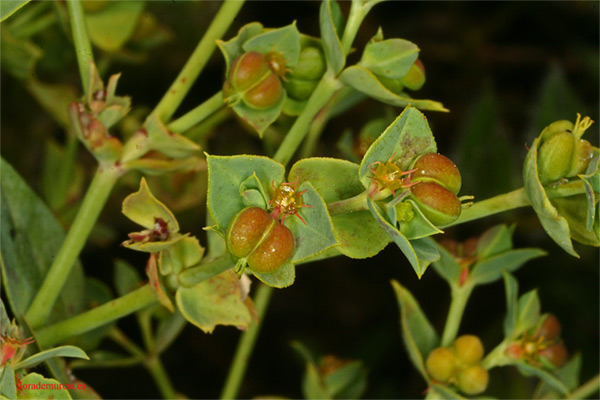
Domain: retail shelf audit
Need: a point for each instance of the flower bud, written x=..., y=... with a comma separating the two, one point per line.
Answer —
x=473, y=380
x=549, y=329
x=256, y=236
x=439, y=204
x=555, y=156
x=415, y=77
x=437, y=168
x=582, y=155
x=555, y=354
x=469, y=349
x=441, y=364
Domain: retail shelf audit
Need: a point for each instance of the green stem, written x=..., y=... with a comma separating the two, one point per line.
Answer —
x=356, y=203
x=192, y=68
x=587, y=389
x=101, y=315
x=200, y=132
x=145, y=322
x=122, y=340
x=358, y=12
x=323, y=92
x=160, y=376
x=88, y=213
x=460, y=295
x=192, y=276
x=83, y=47
x=496, y=357
x=198, y=114
x=245, y=345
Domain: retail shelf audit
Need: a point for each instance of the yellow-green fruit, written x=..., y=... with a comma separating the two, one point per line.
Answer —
x=473, y=380
x=469, y=349
x=310, y=66
x=556, y=127
x=441, y=364
x=583, y=154
x=300, y=89
x=555, y=155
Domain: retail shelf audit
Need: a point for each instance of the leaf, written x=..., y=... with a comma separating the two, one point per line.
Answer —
x=8, y=387
x=54, y=98
x=366, y=82
x=280, y=278
x=62, y=179
x=111, y=27
x=126, y=278
x=226, y=174
x=568, y=374
x=391, y=58
x=61, y=351
x=216, y=301
x=167, y=331
x=419, y=226
x=156, y=283
x=232, y=49
x=348, y=381
x=332, y=46
x=528, y=312
x=495, y=240
x=417, y=332
x=445, y=392
x=18, y=57
x=554, y=224
x=37, y=380
x=511, y=288
x=491, y=268
x=168, y=143
x=547, y=377
x=31, y=237
x=106, y=359
x=9, y=7
x=160, y=166
x=447, y=266
x=183, y=254
x=259, y=120
x=575, y=210
x=285, y=41
x=144, y=209
x=406, y=138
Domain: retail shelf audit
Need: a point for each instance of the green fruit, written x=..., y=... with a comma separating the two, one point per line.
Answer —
x=549, y=329
x=441, y=364
x=469, y=349
x=265, y=94
x=437, y=168
x=310, y=66
x=555, y=156
x=300, y=89
x=583, y=154
x=473, y=380
x=415, y=77
x=556, y=127
x=256, y=236
x=437, y=203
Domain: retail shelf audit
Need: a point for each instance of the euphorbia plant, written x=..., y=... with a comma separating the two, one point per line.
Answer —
x=266, y=216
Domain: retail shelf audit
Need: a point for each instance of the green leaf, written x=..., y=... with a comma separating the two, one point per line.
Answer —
x=366, y=82
x=54, y=98
x=568, y=374
x=554, y=224
x=528, y=312
x=417, y=332
x=359, y=234
x=111, y=27
x=126, y=278
x=62, y=178
x=37, y=380
x=491, y=268
x=419, y=226
x=226, y=174
x=406, y=138
x=495, y=240
x=18, y=57
x=348, y=381
x=280, y=278
x=61, y=351
x=332, y=46
x=285, y=41
x=232, y=49
x=445, y=392
x=216, y=301
x=167, y=331
x=547, y=377
x=447, y=266
x=144, y=209
x=576, y=211
x=31, y=237
x=151, y=246
x=391, y=58
x=166, y=142
x=184, y=254
x=8, y=387
x=253, y=192
x=9, y=7
x=259, y=120
x=106, y=359
x=511, y=287
x=159, y=166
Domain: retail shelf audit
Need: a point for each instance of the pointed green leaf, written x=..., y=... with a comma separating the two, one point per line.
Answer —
x=332, y=46
x=168, y=143
x=417, y=332
x=111, y=27
x=447, y=266
x=8, y=387
x=232, y=49
x=226, y=174
x=54, y=98
x=406, y=138
x=216, y=301
x=253, y=192
x=160, y=166
x=280, y=278
x=366, y=82
x=38, y=381
x=359, y=234
x=391, y=58
x=554, y=224
x=126, y=278
x=259, y=120
x=528, y=312
x=61, y=351
x=491, y=269
x=167, y=331
x=445, y=392
x=495, y=240
x=511, y=288
x=62, y=179
x=106, y=359
x=9, y=7
x=285, y=41
x=576, y=211
x=348, y=381
x=545, y=376
x=153, y=247
x=419, y=226
x=31, y=237
x=568, y=374
x=18, y=57
x=184, y=254
x=144, y=209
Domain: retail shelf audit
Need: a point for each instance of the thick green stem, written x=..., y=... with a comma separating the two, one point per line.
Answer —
x=587, y=389
x=122, y=340
x=356, y=203
x=101, y=315
x=198, y=114
x=186, y=78
x=88, y=213
x=192, y=276
x=201, y=132
x=460, y=295
x=83, y=48
x=245, y=346
x=161, y=378
x=323, y=92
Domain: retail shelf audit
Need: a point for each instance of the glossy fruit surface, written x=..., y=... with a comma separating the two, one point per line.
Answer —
x=248, y=69
x=473, y=380
x=277, y=247
x=439, y=204
x=441, y=364
x=265, y=94
x=438, y=168
x=468, y=348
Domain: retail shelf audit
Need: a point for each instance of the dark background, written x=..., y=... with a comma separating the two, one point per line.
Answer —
x=496, y=65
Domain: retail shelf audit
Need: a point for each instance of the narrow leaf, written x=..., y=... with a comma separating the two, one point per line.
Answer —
x=511, y=287
x=492, y=268
x=332, y=46
x=61, y=351
x=545, y=376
